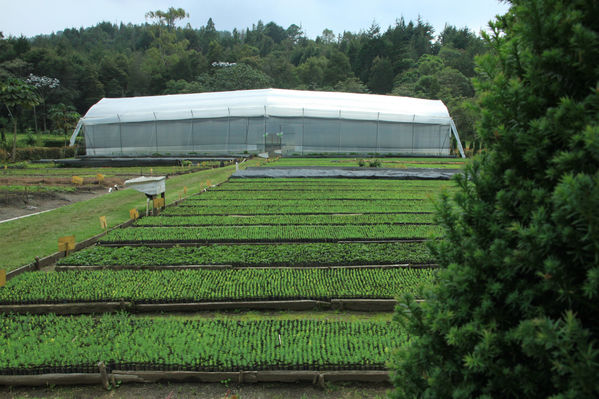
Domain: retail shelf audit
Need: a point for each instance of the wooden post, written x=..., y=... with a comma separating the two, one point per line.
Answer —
x=104, y=375
x=320, y=382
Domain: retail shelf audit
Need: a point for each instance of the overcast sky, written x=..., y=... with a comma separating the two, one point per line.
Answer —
x=33, y=17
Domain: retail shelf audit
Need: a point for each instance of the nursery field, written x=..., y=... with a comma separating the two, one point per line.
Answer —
x=335, y=246
x=385, y=162
x=53, y=170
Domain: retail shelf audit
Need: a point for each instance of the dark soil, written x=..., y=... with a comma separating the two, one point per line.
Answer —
x=204, y=391
x=20, y=204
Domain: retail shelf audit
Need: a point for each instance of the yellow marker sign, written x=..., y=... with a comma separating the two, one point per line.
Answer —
x=151, y=170
x=103, y=223
x=158, y=202
x=66, y=243
x=77, y=180
x=100, y=177
x=133, y=214
x=2, y=277
x=185, y=190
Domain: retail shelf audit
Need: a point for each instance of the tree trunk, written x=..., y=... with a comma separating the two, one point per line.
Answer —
x=14, y=140
x=44, y=118
x=35, y=118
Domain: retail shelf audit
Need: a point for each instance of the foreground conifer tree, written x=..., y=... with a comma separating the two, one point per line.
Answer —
x=516, y=310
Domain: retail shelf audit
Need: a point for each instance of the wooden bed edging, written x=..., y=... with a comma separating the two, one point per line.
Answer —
x=227, y=267
x=286, y=376
x=381, y=305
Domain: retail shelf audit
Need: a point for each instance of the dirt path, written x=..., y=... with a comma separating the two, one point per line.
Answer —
x=20, y=205
x=224, y=390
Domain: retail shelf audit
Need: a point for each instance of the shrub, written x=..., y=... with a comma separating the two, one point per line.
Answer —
x=375, y=163
x=35, y=153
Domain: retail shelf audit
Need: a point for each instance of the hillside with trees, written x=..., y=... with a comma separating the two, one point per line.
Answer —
x=73, y=69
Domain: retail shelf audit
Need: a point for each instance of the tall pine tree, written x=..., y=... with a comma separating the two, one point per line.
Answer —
x=515, y=313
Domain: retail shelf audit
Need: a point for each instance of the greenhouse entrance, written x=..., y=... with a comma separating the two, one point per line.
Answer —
x=272, y=144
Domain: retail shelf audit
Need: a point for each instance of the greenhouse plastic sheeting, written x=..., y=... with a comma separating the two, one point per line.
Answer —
x=356, y=173
x=291, y=122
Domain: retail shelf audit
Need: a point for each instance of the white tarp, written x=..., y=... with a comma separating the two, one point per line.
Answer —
x=268, y=102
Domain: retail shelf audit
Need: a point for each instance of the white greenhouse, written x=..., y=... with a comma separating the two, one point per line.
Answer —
x=287, y=122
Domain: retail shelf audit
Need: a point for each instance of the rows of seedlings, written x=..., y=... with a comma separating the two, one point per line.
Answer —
x=66, y=344
x=246, y=242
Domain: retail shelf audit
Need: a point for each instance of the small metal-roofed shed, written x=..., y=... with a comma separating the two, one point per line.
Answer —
x=152, y=187
x=289, y=122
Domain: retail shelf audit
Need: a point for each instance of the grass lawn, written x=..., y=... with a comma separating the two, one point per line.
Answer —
x=26, y=238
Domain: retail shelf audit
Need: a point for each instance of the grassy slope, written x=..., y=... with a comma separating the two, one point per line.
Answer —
x=38, y=235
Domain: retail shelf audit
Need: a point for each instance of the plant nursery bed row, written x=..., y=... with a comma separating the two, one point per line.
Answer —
x=252, y=255
x=356, y=304
x=125, y=341
x=275, y=213
x=173, y=243
x=307, y=220
x=323, y=196
x=323, y=209
x=299, y=233
x=274, y=199
x=305, y=203
x=324, y=189
x=299, y=181
x=60, y=268
x=202, y=285
x=182, y=223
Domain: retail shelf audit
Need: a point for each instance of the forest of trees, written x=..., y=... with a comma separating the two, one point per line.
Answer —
x=75, y=68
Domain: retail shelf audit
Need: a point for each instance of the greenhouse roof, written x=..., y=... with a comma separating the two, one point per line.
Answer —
x=268, y=102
